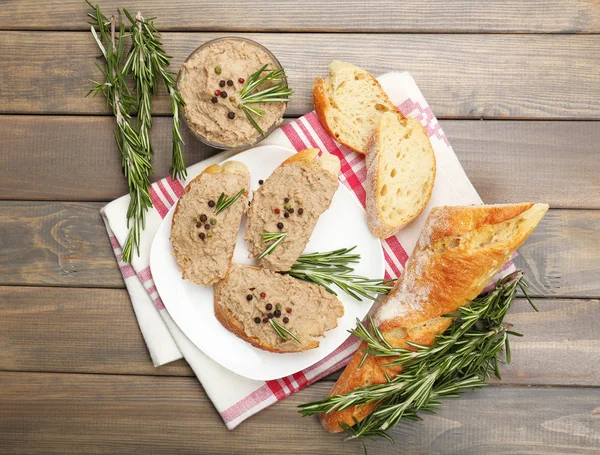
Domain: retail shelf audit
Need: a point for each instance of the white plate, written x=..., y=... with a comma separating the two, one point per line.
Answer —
x=191, y=305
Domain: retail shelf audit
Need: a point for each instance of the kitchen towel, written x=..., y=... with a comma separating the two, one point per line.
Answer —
x=235, y=397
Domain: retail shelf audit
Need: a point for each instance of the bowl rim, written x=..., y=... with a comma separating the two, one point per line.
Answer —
x=259, y=136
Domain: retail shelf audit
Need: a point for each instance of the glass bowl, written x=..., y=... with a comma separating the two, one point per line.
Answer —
x=259, y=137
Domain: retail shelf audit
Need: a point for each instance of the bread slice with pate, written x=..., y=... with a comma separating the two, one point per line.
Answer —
x=203, y=240
x=249, y=298
x=349, y=104
x=290, y=202
x=400, y=173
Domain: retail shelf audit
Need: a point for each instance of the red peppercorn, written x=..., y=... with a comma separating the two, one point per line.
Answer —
x=241, y=80
x=277, y=211
x=262, y=295
x=217, y=92
x=289, y=310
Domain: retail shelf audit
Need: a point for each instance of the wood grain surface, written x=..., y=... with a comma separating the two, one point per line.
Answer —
x=38, y=327
x=65, y=244
x=466, y=76
x=132, y=414
x=500, y=158
x=381, y=16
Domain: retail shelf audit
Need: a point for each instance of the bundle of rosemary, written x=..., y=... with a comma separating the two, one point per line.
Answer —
x=462, y=358
x=147, y=64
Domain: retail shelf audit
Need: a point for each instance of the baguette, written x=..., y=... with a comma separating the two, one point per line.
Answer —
x=312, y=310
x=205, y=261
x=459, y=251
x=400, y=173
x=303, y=186
x=349, y=104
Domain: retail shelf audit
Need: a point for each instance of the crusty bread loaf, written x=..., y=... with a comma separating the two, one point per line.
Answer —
x=400, y=173
x=459, y=251
x=205, y=261
x=302, y=187
x=249, y=293
x=349, y=104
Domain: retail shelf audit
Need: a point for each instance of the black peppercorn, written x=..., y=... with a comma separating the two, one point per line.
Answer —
x=203, y=218
x=207, y=226
x=230, y=82
x=202, y=235
x=286, y=320
x=291, y=210
x=277, y=313
x=280, y=225
x=265, y=320
x=198, y=225
x=286, y=214
x=286, y=200
x=257, y=320
x=211, y=203
x=249, y=297
x=214, y=99
x=223, y=94
x=270, y=315
x=231, y=115
x=221, y=83
x=300, y=211
x=268, y=307
x=260, y=182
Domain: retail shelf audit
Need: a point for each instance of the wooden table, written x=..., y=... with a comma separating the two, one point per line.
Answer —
x=517, y=88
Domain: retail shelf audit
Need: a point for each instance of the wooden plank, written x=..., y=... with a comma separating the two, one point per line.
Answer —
x=74, y=330
x=75, y=158
x=38, y=327
x=65, y=244
x=470, y=76
x=538, y=16
x=59, y=413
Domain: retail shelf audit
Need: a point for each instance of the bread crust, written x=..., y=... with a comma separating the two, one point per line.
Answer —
x=328, y=162
x=377, y=224
x=449, y=267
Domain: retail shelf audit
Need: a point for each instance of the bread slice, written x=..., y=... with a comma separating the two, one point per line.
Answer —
x=205, y=261
x=459, y=251
x=309, y=310
x=349, y=104
x=303, y=186
x=400, y=173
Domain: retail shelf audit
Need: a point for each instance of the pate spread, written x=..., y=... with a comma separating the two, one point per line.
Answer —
x=255, y=295
x=302, y=192
x=203, y=242
x=212, y=108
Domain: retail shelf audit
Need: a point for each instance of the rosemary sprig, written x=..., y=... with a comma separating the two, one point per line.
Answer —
x=282, y=331
x=278, y=91
x=135, y=160
x=148, y=62
x=463, y=357
x=224, y=202
x=275, y=237
x=331, y=268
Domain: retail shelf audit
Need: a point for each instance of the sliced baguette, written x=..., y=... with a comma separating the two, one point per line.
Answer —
x=313, y=310
x=349, y=104
x=206, y=261
x=400, y=173
x=308, y=183
x=459, y=251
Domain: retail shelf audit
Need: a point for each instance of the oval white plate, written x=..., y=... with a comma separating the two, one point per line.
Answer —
x=191, y=305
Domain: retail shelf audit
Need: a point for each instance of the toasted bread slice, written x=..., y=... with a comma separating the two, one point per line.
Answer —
x=243, y=297
x=301, y=187
x=459, y=251
x=349, y=104
x=400, y=173
x=206, y=260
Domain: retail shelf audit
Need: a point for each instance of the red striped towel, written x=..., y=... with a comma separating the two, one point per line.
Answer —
x=237, y=398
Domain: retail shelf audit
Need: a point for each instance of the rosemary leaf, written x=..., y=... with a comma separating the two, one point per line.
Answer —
x=282, y=331
x=224, y=202
x=275, y=237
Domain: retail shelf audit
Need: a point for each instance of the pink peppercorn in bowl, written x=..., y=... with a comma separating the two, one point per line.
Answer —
x=211, y=81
